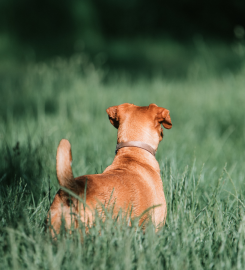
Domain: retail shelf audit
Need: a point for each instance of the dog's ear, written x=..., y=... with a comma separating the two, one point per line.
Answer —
x=163, y=117
x=113, y=117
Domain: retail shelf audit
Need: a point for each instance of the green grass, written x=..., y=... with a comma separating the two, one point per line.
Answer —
x=201, y=160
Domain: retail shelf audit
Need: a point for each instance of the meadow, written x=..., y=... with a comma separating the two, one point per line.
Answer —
x=201, y=160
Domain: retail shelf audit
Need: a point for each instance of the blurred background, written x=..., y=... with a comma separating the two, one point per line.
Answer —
x=136, y=35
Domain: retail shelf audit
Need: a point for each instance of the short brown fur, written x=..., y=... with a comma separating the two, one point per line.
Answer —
x=131, y=181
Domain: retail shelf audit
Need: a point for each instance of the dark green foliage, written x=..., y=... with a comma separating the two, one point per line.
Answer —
x=24, y=164
x=42, y=29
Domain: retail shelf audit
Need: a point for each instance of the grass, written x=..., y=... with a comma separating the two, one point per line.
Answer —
x=201, y=159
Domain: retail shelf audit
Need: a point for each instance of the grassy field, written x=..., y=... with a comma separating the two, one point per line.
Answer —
x=201, y=160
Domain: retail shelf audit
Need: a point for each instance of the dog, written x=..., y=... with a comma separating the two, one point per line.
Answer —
x=132, y=181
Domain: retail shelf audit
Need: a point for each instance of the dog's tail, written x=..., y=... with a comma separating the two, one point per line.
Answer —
x=63, y=166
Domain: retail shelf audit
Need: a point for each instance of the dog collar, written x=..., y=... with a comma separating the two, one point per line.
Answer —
x=141, y=145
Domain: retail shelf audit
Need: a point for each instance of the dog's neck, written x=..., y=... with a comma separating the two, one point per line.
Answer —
x=138, y=144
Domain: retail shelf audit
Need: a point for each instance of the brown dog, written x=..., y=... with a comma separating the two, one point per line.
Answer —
x=132, y=181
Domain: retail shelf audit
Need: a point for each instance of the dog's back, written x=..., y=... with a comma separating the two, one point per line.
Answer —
x=131, y=182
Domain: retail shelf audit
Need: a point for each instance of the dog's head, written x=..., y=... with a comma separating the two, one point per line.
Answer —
x=135, y=123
